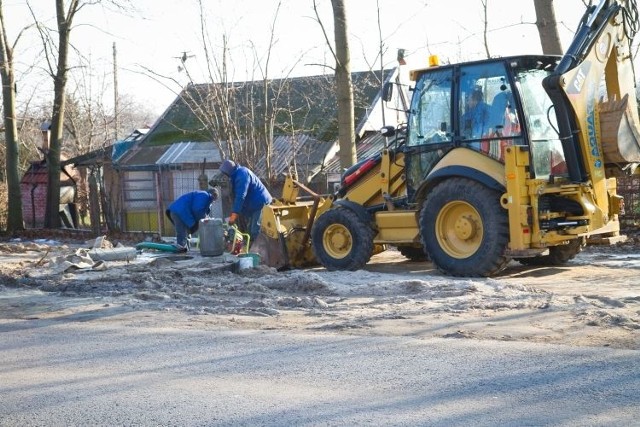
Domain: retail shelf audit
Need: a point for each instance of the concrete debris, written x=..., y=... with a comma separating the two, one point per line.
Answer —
x=100, y=242
x=122, y=253
x=80, y=260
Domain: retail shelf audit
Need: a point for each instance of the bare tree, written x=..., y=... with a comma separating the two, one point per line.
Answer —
x=56, y=53
x=14, y=211
x=242, y=118
x=547, y=27
x=485, y=26
x=64, y=19
x=344, y=85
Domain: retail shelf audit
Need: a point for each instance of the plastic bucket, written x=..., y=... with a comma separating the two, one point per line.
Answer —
x=245, y=263
x=211, y=236
x=255, y=258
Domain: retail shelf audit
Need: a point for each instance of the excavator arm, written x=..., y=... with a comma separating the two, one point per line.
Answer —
x=600, y=52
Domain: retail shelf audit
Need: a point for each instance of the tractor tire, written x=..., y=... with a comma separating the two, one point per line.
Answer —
x=464, y=229
x=341, y=240
x=558, y=255
x=413, y=254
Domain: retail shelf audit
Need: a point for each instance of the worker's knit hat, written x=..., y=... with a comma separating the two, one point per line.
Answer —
x=227, y=167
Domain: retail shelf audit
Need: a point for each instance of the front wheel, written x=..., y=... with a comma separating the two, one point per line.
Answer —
x=341, y=240
x=464, y=229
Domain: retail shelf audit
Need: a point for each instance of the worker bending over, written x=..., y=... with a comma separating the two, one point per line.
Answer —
x=249, y=196
x=186, y=212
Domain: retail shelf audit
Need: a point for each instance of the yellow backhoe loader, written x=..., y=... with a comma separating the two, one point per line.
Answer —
x=501, y=159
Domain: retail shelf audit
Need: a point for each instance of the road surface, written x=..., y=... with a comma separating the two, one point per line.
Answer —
x=112, y=367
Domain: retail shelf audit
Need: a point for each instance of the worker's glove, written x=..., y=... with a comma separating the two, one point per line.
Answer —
x=232, y=218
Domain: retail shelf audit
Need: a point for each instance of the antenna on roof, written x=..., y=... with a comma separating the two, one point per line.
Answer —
x=185, y=55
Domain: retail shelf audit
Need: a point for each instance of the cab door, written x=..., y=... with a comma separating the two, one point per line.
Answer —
x=488, y=119
x=430, y=128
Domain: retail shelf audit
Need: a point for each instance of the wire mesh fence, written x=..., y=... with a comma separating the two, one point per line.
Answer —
x=148, y=194
x=629, y=189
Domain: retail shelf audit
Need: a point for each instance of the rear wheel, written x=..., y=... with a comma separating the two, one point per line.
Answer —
x=558, y=255
x=464, y=229
x=341, y=240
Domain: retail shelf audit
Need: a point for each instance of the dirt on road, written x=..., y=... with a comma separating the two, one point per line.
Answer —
x=594, y=300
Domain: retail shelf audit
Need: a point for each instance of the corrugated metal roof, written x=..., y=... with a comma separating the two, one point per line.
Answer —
x=302, y=152
x=143, y=156
x=190, y=152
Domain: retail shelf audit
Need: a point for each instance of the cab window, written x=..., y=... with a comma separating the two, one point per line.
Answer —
x=488, y=118
x=431, y=109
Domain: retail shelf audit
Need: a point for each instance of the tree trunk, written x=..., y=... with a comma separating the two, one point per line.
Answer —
x=94, y=203
x=344, y=87
x=52, y=219
x=14, y=217
x=547, y=27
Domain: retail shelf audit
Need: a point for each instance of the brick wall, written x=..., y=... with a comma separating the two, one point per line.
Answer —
x=39, y=202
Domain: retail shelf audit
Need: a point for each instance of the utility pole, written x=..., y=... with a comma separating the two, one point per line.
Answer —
x=115, y=93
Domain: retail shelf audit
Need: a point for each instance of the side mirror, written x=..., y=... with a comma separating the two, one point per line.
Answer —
x=387, y=92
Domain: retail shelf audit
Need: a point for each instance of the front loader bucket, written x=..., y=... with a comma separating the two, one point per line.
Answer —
x=285, y=230
x=272, y=252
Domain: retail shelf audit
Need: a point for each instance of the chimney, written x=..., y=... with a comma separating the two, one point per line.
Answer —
x=46, y=134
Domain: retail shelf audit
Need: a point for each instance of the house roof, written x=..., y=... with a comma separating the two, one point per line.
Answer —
x=305, y=126
x=301, y=105
x=38, y=174
x=190, y=152
x=143, y=158
x=301, y=154
x=108, y=154
x=99, y=156
x=121, y=147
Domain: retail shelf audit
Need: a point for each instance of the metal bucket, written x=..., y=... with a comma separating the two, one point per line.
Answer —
x=211, y=235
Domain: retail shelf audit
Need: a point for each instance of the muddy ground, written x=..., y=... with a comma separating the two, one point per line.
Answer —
x=592, y=301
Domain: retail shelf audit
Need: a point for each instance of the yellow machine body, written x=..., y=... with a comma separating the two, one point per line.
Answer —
x=437, y=193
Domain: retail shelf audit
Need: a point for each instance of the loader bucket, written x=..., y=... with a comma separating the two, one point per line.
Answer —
x=272, y=251
x=285, y=232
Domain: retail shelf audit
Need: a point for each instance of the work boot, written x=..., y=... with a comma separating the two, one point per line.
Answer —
x=181, y=248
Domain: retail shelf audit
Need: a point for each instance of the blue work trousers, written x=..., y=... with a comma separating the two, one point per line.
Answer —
x=253, y=224
x=182, y=231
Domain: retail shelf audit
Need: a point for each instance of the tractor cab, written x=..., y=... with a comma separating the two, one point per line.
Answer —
x=482, y=106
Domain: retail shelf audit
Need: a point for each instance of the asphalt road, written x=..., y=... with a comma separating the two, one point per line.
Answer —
x=90, y=371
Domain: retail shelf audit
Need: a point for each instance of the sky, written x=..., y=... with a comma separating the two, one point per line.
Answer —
x=151, y=39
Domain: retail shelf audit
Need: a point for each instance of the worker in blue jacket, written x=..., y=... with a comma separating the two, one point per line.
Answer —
x=249, y=196
x=186, y=212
